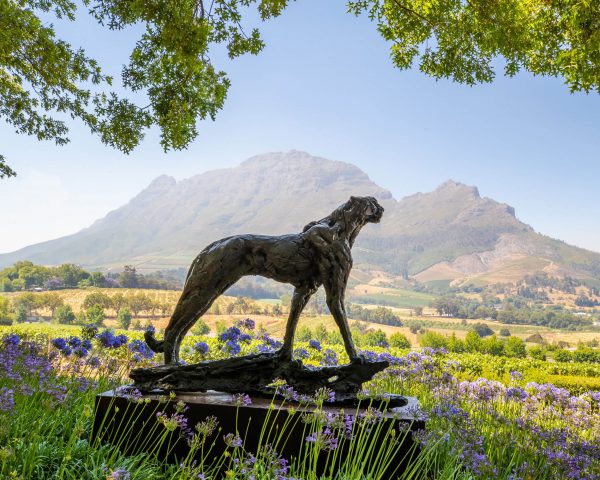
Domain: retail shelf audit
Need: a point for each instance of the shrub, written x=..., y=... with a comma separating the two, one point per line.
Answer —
x=375, y=338
x=515, y=347
x=95, y=314
x=433, y=340
x=21, y=315
x=492, y=346
x=472, y=342
x=505, y=332
x=563, y=356
x=201, y=328
x=399, y=340
x=586, y=354
x=538, y=353
x=124, y=318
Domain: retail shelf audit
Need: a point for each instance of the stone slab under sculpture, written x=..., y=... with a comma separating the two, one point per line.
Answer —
x=318, y=256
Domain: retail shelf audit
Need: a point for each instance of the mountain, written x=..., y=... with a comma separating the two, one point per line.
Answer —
x=450, y=234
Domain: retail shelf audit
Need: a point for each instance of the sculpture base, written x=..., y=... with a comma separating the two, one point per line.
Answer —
x=132, y=425
x=248, y=374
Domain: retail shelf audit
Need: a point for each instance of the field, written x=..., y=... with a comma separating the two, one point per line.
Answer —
x=478, y=407
x=275, y=324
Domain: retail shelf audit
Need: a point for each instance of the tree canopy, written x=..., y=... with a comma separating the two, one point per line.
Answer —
x=45, y=80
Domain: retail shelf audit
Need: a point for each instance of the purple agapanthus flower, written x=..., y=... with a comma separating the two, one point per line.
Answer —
x=7, y=399
x=201, y=347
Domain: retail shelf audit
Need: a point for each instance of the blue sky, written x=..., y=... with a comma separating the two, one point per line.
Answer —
x=325, y=84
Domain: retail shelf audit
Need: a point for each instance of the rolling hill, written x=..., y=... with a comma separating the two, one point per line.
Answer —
x=450, y=234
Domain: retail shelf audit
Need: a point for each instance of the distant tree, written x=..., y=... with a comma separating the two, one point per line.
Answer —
x=97, y=298
x=95, y=314
x=51, y=301
x=418, y=311
x=446, y=306
x=28, y=301
x=128, y=278
x=124, y=318
x=399, y=340
x=166, y=308
x=70, y=274
x=482, y=330
x=53, y=283
x=415, y=327
x=504, y=332
x=118, y=301
x=97, y=280
x=64, y=315
x=584, y=301
x=138, y=303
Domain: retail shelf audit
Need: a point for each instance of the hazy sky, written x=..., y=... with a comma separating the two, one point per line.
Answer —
x=325, y=84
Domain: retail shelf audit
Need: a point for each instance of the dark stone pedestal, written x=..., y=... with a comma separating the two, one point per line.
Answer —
x=132, y=424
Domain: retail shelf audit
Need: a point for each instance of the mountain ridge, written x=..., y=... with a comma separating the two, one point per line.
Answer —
x=450, y=233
